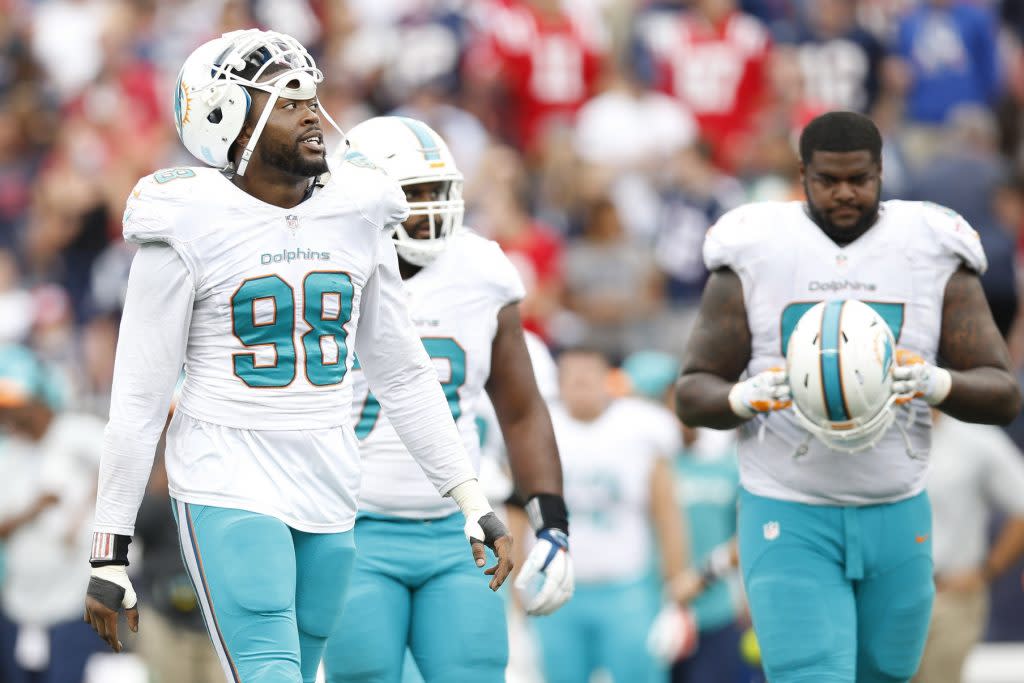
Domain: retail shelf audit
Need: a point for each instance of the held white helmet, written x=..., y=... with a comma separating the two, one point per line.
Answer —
x=211, y=101
x=840, y=360
x=412, y=153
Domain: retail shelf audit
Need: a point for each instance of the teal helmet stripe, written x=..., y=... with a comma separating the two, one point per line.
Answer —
x=179, y=95
x=431, y=150
x=887, y=360
x=831, y=379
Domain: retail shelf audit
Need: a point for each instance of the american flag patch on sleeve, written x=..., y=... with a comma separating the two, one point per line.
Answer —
x=109, y=548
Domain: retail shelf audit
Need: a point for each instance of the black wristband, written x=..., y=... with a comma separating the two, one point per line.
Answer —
x=515, y=499
x=548, y=511
x=109, y=549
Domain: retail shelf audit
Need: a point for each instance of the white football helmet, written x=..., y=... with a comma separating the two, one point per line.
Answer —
x=840, y=361
x=211, y=101
x=412, y=153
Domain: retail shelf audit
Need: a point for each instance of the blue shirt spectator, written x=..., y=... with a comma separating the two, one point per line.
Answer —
x=951, y=48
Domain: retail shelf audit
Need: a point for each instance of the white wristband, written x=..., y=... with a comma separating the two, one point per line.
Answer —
x=942, y=384
x=470, y=498
x=116, y=574
x=736, y=403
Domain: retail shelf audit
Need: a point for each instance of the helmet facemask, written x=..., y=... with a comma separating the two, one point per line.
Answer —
x=214, y=82
x=444, y=218
x=859, y=435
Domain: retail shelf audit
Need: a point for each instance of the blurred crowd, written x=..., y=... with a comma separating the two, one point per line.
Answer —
x=599, y=140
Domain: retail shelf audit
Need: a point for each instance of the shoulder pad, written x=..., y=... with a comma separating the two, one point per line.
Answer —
x=730, y=239
x=491, y=265
x=360, y=160
x=380, y=199
x=155, y=200
x=955, y=235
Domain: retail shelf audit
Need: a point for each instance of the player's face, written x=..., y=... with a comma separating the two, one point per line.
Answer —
x=293, y=141
x=843, y=192
x=418, y=227
x=583, y=383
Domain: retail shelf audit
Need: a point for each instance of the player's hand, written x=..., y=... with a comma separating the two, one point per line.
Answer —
x=549, y=556
x=687, y=586
x=913, y=377
x=673, y=635
x=109, y=591
x=970, y=581
x=490, y=531
x=764, y=392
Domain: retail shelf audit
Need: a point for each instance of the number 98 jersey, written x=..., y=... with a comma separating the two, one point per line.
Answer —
x=277, y=291
x=454, y=304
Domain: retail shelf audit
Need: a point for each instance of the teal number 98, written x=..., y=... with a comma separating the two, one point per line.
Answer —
x=438, y=348
x=278, y=330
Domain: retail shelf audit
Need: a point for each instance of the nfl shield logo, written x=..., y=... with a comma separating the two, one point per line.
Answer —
x=771, y=531
x=841, y=260
x=292, y=221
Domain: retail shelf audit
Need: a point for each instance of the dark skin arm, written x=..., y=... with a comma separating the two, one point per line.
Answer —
x=522, y=414
x=716, y=356
x=984, y=387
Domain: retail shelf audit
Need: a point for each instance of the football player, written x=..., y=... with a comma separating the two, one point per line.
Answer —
x=264, y=275
x=411, y=586
x=616, y=454
x=835, y=547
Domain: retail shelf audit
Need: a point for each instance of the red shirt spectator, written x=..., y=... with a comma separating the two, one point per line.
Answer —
x=715, y=62
x=547, y=60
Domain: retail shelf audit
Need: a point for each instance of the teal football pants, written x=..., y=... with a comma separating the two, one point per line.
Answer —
x=604, y=626
x=415, y=585
x=270, y=595
x=838, y=594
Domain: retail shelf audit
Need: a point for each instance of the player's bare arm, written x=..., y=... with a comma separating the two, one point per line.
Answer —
x=669, y=527
x=717, y=354
x=533, y=457
x=522, y=413
x=983, y=389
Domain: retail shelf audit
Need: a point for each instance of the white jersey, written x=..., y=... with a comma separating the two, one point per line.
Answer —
x=454, y=303
x=606, y=472
x=899, y=267
x=45, y=575
x=267, y=307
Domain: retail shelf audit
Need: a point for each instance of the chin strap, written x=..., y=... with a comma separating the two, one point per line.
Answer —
x=243, y=163
x=912, y=453
x=275, y=93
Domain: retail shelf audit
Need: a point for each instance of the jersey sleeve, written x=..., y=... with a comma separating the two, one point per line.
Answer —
x=503, y=276
x=402, y=376
x=955, y=236
x=731, y=240
x=150, y=353
x=382, y=202
x=151, y=209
